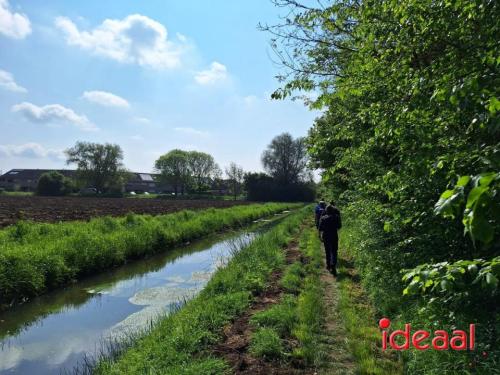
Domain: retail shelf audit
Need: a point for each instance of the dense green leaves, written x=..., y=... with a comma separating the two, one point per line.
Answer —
x=408, y=140
x=480, y=207
x=443, y=279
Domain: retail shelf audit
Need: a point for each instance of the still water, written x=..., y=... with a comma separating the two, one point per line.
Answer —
x=54, y=332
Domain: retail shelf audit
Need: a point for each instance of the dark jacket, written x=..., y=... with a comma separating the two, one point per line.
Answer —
x=329, y=224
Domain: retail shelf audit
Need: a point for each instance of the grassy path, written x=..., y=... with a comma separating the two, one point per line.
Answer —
x=307, y=322
x=339, y=359
x=360, y=324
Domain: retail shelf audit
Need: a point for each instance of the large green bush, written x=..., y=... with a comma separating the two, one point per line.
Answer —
x=53, y=184
x=409, y=142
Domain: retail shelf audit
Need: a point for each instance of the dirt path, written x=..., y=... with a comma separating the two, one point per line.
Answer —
x=237, y=336
x=334, y=339
x=234, y=347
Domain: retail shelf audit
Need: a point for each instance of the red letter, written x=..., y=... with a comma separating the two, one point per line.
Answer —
x=440, y=336
x=405, y=334
x=459, y=336
x=384, y=323
x=418, y=337
x=472, y=336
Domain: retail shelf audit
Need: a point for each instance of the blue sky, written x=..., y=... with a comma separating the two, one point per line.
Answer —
x=149, y=75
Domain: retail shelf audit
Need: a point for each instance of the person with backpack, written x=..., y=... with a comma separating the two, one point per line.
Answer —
x=329, y=224
x=319, y=211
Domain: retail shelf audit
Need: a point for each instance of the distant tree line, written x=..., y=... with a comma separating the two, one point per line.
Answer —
x=100, y=169
x=288, y=178
x=187, y=170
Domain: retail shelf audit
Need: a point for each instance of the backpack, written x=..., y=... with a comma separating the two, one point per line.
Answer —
x=338, y=221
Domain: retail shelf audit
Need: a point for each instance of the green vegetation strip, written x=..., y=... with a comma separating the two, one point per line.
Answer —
x=359, y=317
x=291, y=329
x=36, y=257
x=179, y=343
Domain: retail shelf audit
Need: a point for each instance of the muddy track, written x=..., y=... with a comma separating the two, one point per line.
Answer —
x=236, y=338
x=53, y=209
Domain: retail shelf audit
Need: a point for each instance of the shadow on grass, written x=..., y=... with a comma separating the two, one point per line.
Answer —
x=346, y=271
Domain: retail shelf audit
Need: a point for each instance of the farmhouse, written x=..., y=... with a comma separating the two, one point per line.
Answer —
x=27, y=180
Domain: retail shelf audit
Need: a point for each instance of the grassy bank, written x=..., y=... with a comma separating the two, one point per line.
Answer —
x=179, y=343
x=359, y=315
x=36, y=257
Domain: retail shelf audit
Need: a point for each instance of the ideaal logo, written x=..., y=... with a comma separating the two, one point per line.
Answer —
x=423, y=340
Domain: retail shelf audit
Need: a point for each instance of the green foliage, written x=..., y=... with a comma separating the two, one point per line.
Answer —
x=99, y=166
x=181, y=340
x=450, y=280
x=53, y=184
x=202, y=168
x=266, y=343
x=263, y=188
x=285, y=159
x=186, y=170
x=235, y=175
x=479, y=204
x=174, y=169
x=37, y=257
x=410, y=96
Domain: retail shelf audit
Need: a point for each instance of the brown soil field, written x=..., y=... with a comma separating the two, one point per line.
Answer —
x=53, y=209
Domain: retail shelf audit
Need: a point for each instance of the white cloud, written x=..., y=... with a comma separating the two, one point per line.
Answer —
x=191, y=131
x=30, y=150
x=13, y=25
x=106, y=99
x=217, y=72
x=136, y=39
x=8, y=83
x=53, y=113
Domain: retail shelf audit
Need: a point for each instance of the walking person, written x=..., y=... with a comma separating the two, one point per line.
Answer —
x=319, y=211
x=329, y=224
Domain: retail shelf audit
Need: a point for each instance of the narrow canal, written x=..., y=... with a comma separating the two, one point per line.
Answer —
x=53, y=333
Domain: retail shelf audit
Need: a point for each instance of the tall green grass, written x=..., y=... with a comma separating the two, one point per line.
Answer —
x=359, y=315
x=298, y=317
x=36, y=257
x=179, y=343
x=310, y=305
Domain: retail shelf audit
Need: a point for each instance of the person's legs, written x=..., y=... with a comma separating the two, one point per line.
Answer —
x=328, y=254
x=334, y=255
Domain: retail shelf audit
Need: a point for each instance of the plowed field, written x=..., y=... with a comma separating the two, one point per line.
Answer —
x=51, y=209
